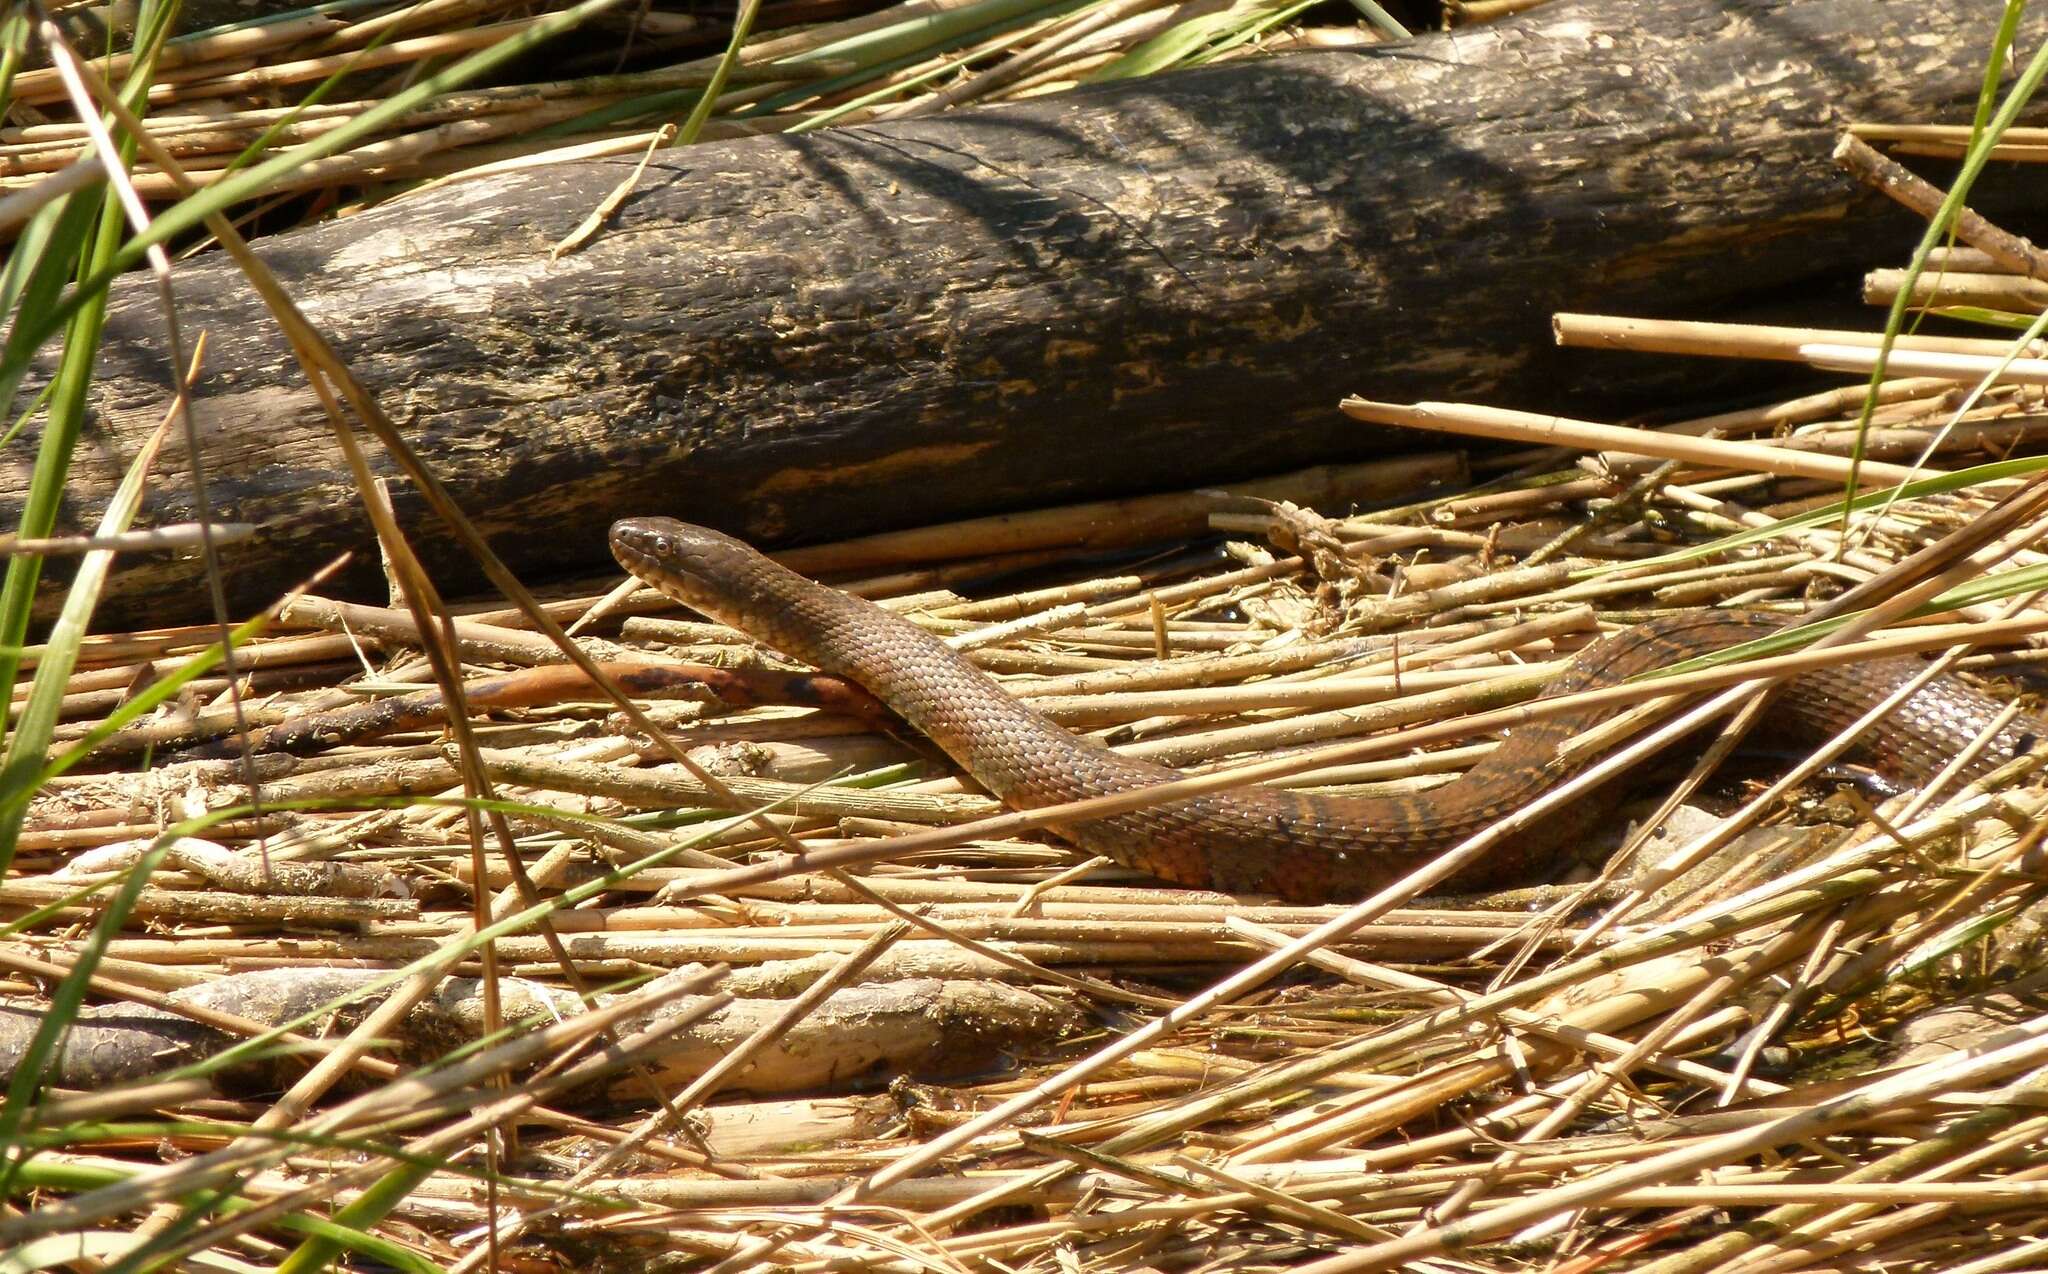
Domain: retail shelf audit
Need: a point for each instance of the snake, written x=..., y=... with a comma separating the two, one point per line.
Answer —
x=1303, y=846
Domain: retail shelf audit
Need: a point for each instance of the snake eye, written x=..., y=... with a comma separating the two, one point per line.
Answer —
x=661, y=544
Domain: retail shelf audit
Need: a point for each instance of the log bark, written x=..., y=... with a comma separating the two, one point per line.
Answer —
x=1139, y=286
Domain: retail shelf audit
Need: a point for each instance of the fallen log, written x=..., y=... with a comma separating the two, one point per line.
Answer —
x=1143, y=285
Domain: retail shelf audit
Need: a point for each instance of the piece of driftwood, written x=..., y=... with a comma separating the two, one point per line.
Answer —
x=919, y=1026
x=1143, y=285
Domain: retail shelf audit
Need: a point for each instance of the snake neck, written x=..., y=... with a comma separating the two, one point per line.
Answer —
x=1017, y=754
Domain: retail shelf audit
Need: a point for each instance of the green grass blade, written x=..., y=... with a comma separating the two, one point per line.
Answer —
x=38, y=269
x=63, y=423
x=64, y=1003
x=26, y=747
x=1960, y=479
x=141, y=704
x=742, y=27
x=1940, y=225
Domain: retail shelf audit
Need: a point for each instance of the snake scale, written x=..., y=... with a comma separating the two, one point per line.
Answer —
x=1301, y=846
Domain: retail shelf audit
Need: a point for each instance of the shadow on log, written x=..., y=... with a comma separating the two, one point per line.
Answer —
x=1143, y=285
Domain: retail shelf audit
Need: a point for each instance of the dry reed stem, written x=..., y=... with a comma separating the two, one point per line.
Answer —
x=1257, y=1077
x=1950, y=366
x=1742, y=340
x=1516, y=426
x=1898, y=182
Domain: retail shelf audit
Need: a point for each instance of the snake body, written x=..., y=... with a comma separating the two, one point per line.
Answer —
x=1301, y=846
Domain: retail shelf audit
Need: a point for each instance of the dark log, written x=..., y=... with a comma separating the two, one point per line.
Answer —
x=1145, y=285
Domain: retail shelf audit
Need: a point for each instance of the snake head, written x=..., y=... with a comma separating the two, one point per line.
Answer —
x=699, y=567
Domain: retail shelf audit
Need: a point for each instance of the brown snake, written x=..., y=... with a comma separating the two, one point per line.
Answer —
x=1299, y=845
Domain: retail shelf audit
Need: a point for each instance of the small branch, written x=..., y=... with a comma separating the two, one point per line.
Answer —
x=1891, y=178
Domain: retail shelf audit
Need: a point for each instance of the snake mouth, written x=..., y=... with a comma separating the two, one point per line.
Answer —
x=638, y=538
x=648, y=547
